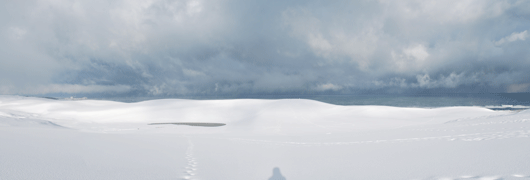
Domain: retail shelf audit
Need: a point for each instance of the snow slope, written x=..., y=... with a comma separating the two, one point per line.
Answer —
x=305, y=139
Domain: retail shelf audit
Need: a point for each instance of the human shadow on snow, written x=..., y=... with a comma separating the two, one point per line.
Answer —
x=276, y=174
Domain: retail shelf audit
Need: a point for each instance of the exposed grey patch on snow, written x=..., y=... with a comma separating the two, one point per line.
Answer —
x=202, y=124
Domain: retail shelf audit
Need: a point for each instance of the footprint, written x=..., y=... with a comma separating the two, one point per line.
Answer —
x=190, y=169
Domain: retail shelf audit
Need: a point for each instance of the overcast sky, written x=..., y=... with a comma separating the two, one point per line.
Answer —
x=183, y=47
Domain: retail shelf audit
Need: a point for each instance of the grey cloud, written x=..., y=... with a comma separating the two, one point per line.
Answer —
x=176, y=47
x=515, y=88
x=76, y=89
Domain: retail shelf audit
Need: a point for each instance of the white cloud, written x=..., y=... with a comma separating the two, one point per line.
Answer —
x=419, y=52
x=328, y=86
x=193, y=7
x=394, y=82
x=424, y=81
x=157, y=90
x=451, y=81
x=448, y=11
x=411, y=59
x=319, y=44
x=17, y=32
x=192, y=73
x=521, y=36
x=334, y=41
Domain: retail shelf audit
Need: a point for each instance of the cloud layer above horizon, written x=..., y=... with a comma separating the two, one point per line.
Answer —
x=183, y=47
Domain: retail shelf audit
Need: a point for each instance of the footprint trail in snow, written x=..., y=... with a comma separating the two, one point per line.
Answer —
x=190, y=169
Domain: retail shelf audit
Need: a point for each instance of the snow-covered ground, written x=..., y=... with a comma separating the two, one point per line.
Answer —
x=262, y=139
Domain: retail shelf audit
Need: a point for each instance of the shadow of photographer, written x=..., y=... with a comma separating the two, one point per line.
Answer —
x=276, y=174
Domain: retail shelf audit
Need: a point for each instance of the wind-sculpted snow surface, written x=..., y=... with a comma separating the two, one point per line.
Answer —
x=248, y=139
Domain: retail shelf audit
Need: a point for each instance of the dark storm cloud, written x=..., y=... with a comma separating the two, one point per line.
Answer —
x=165, y=47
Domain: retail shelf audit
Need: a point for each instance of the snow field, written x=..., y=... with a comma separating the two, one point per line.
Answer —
x=89, y=139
